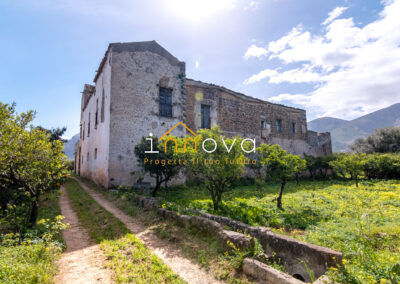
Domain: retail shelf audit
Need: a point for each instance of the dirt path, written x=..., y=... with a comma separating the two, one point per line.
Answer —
x=187, y=270
x=83, y=261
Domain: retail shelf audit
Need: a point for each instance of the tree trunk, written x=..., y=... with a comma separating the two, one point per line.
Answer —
x=279, y=199
x=297, y=179
x=34, y=213
x=356, y=181
x=157, y=187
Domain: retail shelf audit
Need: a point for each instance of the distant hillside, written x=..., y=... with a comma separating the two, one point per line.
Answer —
x=69, y=146
x=325, y=124
x=344, y=133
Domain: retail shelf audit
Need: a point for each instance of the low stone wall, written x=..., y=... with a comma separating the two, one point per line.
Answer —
x=295, y=255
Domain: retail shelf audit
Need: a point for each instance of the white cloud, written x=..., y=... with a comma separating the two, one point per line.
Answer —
x=334, y=14
x=196, y=64
x=255, y=51
x=352, y=70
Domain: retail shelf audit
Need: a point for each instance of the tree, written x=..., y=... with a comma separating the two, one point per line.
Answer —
x=55, y=133
x=349, y=165
x=156, y=164
x=280, y=165
x=30, y=164
x=218, y=169
x=383, y=140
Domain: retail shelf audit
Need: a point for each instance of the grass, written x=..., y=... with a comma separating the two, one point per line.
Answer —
x=32, y=260
x=195, y=245
x=363, y=222
x=130, y=260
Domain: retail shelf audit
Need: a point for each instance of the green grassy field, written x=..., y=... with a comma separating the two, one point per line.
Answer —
x=31, y=260
x=363, y=222
x=130, y=260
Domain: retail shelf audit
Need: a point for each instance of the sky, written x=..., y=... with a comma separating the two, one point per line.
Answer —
x=332, y=58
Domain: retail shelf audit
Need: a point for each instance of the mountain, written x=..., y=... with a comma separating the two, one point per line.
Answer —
x=69, y=146
x=344, y=133
x=325, y=124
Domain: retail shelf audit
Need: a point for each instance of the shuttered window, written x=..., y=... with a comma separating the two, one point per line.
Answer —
x=165, y=102
x=205, y=117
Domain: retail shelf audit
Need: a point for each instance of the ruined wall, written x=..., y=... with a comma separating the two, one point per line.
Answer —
x=238, y=114
x=138, y=71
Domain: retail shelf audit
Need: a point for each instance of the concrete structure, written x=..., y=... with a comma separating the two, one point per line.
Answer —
x=141, y=88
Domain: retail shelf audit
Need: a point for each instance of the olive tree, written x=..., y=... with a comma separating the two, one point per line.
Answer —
x=279, y=165
x=30, y=164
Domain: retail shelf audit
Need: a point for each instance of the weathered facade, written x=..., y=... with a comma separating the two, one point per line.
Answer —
x=140, y=88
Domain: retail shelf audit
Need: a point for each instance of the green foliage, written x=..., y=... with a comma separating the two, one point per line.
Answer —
x=162, y=171
x=280, y=166
x=384, y=140
x=30, y=257
x=382, y=166
x=318, y=165
x=349, y=165
x=218, y=169
x=362, y=222
x=30, y=164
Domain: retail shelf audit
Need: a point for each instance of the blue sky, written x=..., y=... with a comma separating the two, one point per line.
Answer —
x=336, y=58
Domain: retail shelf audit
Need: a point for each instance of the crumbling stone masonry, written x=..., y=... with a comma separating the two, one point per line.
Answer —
x=140, y=88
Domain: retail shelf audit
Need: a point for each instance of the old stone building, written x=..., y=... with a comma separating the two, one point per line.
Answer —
x=141, y=88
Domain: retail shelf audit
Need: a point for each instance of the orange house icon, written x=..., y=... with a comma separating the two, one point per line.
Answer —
x=174, y=140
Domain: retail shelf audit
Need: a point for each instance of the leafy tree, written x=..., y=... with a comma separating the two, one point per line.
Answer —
x=311, y=165
x=219, y=169
x=349, y=165
x=382, y=166
x=162, y=171
x=280, y=165
x=30, y=164
x=383, y=140
x=55, y=133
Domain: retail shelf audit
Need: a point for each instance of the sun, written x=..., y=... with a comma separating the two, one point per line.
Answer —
x=198, y=10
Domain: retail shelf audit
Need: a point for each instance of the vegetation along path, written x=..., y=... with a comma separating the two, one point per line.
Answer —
x=83, y=261
x=187, y=270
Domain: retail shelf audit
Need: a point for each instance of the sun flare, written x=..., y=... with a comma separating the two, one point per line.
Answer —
x=199, y=10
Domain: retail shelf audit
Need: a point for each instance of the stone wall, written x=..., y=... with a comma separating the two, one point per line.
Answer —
x=238, y=114
x=296, y=256
x=138, y=71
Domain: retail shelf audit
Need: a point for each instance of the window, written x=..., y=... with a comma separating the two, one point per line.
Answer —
x=95, y=153
x=102, y=107
x=263, y=124
x=83, y=132
x=165, y=102
x=293, y=127
x=96, y=120
x=88, y=126
x=88, y=156
x=279, y=125
x=205, y=117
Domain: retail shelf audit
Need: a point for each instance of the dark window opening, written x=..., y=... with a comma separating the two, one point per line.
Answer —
x=102, y=107
x=95, y=154
x=96, y=120
x=88, y=156
x=205, y=117
x=88, y=126
x=263, y=124
x=165, y=102
x=83, y=132
x=279, y=125
x=293, y=127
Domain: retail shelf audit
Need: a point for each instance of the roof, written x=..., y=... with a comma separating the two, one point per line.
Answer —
x=237, y=94
x=139, y=46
